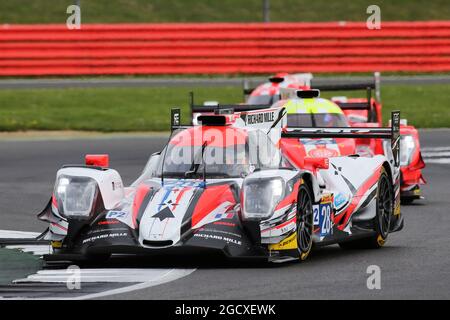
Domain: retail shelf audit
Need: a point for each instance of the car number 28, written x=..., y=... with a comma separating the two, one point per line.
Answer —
x=323, y=218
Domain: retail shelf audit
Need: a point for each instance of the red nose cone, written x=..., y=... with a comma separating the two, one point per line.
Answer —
x=99, y=160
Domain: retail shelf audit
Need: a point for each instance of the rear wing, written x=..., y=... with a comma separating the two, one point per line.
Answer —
x=263, y=117
x=368, y=86
x=391, y=133
x=302, y=79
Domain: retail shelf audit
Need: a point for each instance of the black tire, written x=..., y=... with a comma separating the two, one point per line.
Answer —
x=305, y=225
x=382, y=220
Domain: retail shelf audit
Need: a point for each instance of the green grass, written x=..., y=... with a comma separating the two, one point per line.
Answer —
x=110, y=11
x=148, y=109
x=124, y=109
x=424, y=106
x=16, y=265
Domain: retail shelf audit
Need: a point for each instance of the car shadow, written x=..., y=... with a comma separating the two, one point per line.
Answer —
x=317, y=257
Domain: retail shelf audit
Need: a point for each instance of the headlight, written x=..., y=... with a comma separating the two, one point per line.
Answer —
x=75, y=196
x=407, y=147
x=261, y=196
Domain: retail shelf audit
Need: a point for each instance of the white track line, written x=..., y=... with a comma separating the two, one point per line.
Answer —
x=37, y=250
x=438, y=161
x=10, y=234
x=150, y=278
x=169, y=276
x=435, y=149
x=97, y=275
x=436, y=154
x=147, y=277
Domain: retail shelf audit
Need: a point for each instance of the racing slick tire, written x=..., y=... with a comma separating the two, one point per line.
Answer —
x=304, y=222
x=382, y=220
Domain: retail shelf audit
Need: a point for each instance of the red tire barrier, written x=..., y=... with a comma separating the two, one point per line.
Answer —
x=223, y=48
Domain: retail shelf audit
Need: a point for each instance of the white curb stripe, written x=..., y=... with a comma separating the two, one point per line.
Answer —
x=435, y=149
x=37, y=250
x=147, y=277
x=436, y=154
x=10, y=234
x=438, y=161
x=99, y=275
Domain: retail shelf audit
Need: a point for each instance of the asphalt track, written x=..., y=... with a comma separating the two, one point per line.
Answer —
x=48, y=83
x=414, y=264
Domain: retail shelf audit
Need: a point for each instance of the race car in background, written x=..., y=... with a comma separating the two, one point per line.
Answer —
x=359, y=112
x=224, y=186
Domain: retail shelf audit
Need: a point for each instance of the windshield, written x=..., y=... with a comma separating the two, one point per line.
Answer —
x=312, y=120
x=263, y=99
x=221, y=162
x=232, y=161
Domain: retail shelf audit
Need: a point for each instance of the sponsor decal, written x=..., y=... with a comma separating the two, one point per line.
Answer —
x=105, y=236
x=224, y=223
x=116, y=214
x=339, y=200
x=229, y=234
x=224, y=215
x=288, y=243
x=107, y=222
x=323, y=141
x=56, y=244
x=116, y=185
x=323, y=153
x=218, y=237
x=100, y=230
x=261, y=117
x=323, y=216
x=326, y=198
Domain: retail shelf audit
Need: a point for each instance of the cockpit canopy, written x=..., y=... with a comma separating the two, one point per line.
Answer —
x=217, y=152
x=314, y=112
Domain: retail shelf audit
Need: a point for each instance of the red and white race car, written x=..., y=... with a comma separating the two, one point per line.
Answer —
x=359, y=112
x=225, y=186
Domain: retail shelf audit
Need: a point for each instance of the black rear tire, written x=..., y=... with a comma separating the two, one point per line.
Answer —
x=382, y=219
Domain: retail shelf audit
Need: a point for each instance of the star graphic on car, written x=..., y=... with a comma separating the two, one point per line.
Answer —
x=164, y=214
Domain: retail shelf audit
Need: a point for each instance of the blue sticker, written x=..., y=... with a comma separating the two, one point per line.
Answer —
x=339, y=200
